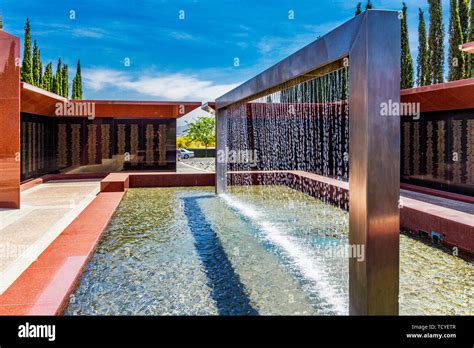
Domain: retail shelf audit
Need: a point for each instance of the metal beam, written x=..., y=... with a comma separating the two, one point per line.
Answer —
x=374, y=167
x=221, y=153
x=327, y=49
x=372, y=42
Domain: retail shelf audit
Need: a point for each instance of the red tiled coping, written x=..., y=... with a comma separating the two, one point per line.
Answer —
x=78, y=176
x=115, y=182
x=120, y=182
x=30, y=183
x=456, y=228
x=44, y=288
x=438, y=193
x=49, y=177
x=171, y=179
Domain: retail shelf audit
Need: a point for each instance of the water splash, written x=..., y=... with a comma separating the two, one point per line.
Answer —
x=309, y=264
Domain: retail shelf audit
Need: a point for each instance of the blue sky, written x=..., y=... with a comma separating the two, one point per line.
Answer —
x=179, y=59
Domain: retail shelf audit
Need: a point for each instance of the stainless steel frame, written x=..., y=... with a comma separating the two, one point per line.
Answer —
x=372, y=43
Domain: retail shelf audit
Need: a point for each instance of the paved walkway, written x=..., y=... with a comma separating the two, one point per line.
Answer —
x=46, y=210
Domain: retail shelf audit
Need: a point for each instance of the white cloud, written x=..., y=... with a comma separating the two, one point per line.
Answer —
x=46, y=29
x=179, y=35
x=179, y=87
x=88, y=32
x=268, y=44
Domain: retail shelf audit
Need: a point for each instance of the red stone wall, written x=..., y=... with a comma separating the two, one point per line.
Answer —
x=9, y=121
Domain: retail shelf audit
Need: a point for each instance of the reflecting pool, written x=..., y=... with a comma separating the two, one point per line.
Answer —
x=258, y=250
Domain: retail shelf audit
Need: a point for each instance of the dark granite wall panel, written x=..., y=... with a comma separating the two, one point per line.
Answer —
x=78, y=145
x=438, y=151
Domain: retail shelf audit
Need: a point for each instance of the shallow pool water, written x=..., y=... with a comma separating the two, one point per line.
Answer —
x=259, y=250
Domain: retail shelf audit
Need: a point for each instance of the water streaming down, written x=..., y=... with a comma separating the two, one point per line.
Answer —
x=301, y=127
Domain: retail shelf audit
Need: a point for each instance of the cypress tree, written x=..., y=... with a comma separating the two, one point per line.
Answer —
x=464, y=17
x=65, y=80
x=53, y=80
x=456, y=57
x=74, y=89
x=37, y=69
x=48, y=78
x=470, y=39
x=423, y=74
x=77, y=83
x=40, y=64
x=369, y=6
x=407, y=79
x=58, y=82
x=436, y=42
x=358, y=9
x=27, y=64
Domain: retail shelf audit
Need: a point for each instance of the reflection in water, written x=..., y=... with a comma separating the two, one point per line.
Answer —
x=258, y=250
x=226, y=288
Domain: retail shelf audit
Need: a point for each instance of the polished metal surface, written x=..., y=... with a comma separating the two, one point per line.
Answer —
x=221, y=158
x=374, y=168
x=372, y=43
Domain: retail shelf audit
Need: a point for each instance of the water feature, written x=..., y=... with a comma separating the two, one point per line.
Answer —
x=266, y=248
x=256, y=250
x=294, y=115
x=302, y=126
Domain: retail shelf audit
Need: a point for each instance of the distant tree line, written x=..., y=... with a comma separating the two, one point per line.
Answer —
x=32, y=71
x=431, y=52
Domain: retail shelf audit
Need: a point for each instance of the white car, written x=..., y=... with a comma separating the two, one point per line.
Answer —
x=186, y=153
